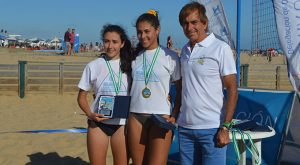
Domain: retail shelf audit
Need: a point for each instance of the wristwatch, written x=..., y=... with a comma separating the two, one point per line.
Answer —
x=175, y=116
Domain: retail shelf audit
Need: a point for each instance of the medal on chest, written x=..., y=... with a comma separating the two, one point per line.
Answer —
x=146, y=92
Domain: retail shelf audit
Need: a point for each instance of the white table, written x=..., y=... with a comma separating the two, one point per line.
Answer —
x=256, y=137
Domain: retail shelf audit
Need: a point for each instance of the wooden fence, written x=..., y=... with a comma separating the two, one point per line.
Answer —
x=9, y=77
x=62, y=77
x=265, y=76
x=40, y=77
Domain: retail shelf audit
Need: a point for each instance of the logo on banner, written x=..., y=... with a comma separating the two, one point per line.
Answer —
x=288, y=24
x=217, y=20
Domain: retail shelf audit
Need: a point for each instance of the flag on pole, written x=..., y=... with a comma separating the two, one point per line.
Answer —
x=217, y=20
x=287, y=15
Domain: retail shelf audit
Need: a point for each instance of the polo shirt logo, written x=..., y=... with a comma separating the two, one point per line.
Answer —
x=201, y=61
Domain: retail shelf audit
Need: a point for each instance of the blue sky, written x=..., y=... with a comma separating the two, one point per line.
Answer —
x=47, y=19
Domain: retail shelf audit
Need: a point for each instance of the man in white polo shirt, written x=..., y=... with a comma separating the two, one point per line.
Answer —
x=208, y=67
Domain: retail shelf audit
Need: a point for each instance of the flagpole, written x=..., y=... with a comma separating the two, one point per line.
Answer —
x=238, y=20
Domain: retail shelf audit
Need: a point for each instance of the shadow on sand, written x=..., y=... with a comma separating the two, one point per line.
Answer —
x=54, y=159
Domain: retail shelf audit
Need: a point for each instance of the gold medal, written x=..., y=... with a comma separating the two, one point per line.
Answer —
x=146, y=92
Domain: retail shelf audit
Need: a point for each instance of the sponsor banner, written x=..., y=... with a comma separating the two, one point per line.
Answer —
x=287, y=13
x=217, y=22
x=266, y=107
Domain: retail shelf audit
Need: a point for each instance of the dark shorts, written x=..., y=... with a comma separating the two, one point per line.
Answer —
x=108, y=129
x=144, y=119
x=148, y=124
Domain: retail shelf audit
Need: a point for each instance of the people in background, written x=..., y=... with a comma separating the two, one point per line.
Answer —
x=72, y=41
x=67, y=38
x=169, y=42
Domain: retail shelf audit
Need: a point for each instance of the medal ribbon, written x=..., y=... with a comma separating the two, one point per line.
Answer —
x=147, y=73
x=112, y=73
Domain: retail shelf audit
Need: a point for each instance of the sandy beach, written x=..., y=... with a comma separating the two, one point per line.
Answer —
x=49, y=111
x=41, y=112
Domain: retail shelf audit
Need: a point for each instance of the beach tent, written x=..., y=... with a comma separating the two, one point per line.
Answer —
x=35, y=40
x=56, y=42
x=11, y=39
x=55, y=39
x=2, y=37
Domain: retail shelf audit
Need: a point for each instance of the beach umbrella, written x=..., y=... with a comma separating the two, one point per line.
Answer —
x=11, y=39
x=2, y=37
x=55, y=39
x=36, y=39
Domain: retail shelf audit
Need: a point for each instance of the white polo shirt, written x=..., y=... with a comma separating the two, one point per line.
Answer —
x=202, y=88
